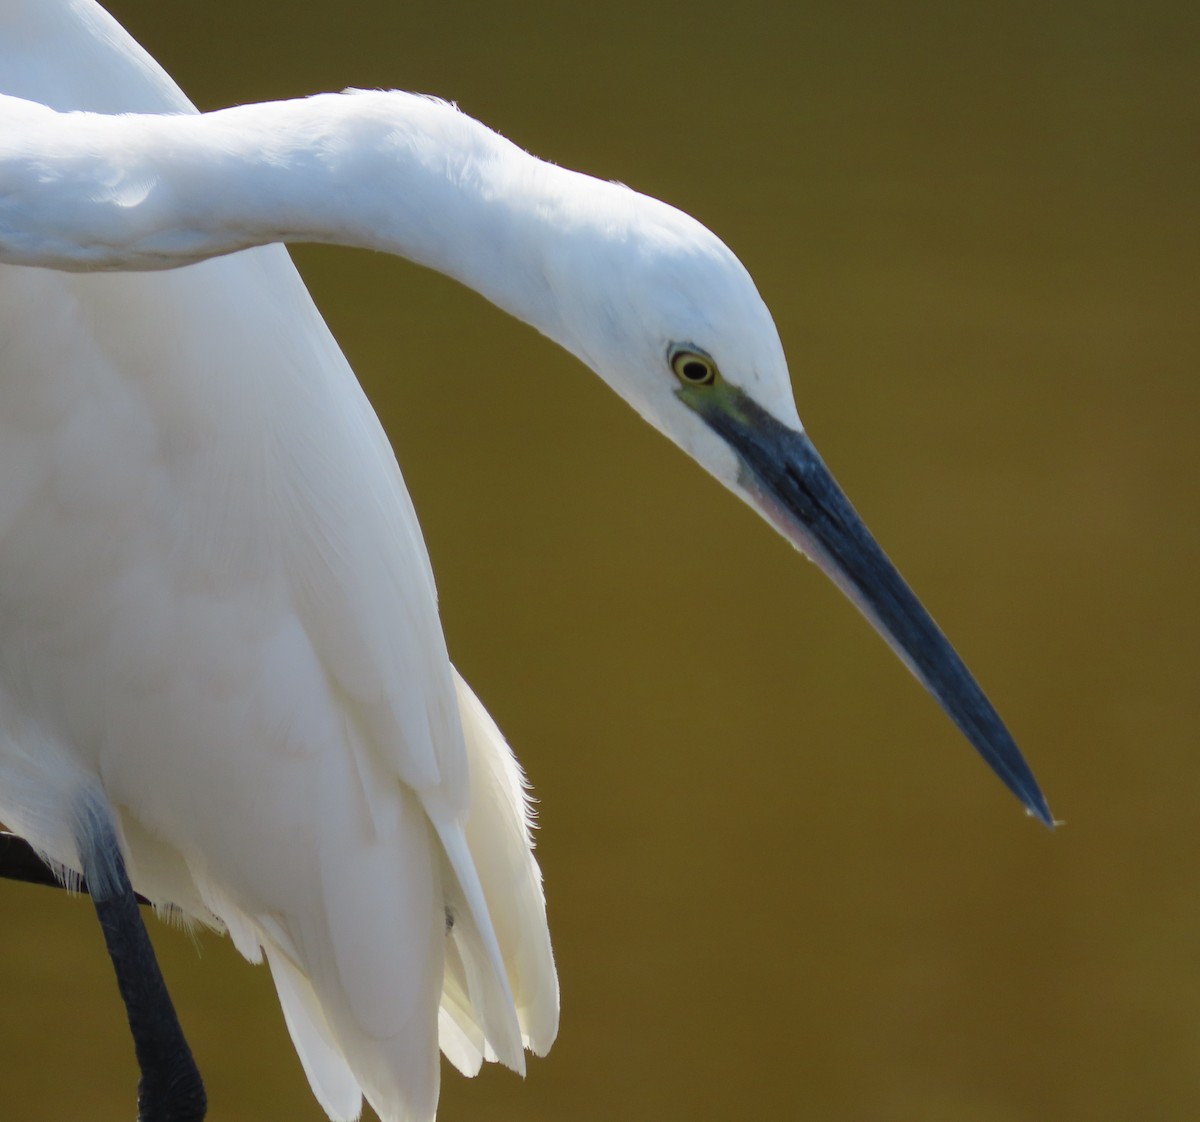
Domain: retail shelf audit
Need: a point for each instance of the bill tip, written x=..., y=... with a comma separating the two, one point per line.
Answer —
x=1039, y=810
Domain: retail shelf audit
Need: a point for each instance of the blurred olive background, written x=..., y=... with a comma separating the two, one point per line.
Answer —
x=780, y=883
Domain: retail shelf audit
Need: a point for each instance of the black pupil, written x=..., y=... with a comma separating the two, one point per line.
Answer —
x=695, y=371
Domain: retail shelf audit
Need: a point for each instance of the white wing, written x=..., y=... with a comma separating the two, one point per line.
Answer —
x=215, y=598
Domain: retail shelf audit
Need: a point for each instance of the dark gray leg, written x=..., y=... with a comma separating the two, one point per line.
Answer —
x=170, y=1089
x=19, y=861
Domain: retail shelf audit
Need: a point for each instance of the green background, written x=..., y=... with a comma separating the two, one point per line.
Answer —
x=780, y=883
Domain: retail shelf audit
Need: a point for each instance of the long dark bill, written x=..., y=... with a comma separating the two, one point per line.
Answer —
x=785, y=474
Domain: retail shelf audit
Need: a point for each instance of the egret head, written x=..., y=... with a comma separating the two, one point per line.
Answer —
x=668, y=316
x=665, y=313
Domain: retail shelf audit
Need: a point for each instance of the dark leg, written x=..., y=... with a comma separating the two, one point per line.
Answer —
x=170, y=1089
x=19, y=861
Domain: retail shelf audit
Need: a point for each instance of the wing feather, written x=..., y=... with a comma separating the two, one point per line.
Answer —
x=274, y=604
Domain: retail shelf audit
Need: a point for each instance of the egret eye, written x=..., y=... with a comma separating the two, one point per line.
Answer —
x=693, y=369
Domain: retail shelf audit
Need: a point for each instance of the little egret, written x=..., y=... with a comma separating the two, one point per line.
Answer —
x=222, y=676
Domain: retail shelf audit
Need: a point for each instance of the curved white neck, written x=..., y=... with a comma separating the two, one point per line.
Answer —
x=388, y=171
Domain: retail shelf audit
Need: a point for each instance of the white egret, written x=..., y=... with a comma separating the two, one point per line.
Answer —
x=221, y=667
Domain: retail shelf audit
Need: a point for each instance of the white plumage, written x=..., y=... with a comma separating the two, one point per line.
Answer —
x=217, y=616
x=216, y=603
